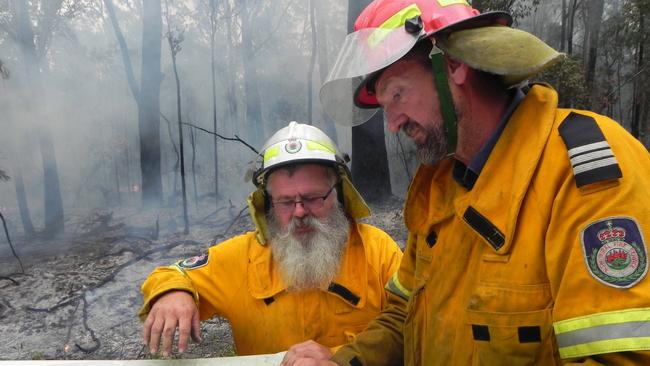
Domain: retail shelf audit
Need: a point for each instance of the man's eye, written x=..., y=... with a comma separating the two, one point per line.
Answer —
x=309, y=200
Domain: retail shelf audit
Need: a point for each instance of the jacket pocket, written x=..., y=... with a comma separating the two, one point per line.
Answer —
x=513, y=339
x=423, y=257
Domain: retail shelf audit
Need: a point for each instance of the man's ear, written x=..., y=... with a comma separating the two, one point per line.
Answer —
x=458, y=72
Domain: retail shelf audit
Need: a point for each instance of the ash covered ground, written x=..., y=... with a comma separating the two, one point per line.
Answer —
x=80, y=294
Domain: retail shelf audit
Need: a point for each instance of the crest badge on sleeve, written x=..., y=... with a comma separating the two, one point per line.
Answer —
x=194, y=262
x=615, y=252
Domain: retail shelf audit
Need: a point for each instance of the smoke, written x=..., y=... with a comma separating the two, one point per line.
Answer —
x=81, y=97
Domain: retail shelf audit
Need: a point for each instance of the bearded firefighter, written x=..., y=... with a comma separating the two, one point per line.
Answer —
x=527, y=221
x=310, y=271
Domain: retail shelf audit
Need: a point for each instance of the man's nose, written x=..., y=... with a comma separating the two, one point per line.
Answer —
x=299, y=210
x=395, y=121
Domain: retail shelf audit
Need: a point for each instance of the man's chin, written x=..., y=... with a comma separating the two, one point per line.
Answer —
x=428, y=157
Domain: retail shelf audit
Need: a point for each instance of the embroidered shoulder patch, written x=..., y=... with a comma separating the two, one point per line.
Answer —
x=615, y=252
x=194, y=262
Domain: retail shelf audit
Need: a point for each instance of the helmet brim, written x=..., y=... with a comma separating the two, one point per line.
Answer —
x=481, y=20
x=513, y=54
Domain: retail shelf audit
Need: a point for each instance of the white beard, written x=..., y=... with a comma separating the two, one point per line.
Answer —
x=310, y=261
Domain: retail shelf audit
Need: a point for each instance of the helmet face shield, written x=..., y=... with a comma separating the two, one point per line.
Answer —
x=365, y=51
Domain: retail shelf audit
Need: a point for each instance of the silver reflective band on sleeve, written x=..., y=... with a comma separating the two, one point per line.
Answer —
x=395, y=287
x=619, y=331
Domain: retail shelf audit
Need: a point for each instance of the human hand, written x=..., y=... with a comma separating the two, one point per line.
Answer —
x=308, y=353
x=175, y=309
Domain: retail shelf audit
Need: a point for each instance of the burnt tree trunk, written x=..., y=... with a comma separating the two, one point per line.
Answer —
x=595, y=16
x=149, y=104
x=312, y=64
x=21, y=198
x=571, y=16
x=253, y=103
x=638, y=87
x=213, y=74
x=146, y=95
x=53, y=203
x=369, y=158
x=326, y=123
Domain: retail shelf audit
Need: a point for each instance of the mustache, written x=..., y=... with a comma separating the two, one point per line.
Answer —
x=409, y=127
x=308, y=221
x=310, y=261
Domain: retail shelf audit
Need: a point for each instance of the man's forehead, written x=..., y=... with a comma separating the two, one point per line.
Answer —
x=308, y=173
x=396, y=71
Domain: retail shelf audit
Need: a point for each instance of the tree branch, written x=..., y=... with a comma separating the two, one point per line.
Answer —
x=627, y=81
x=236, y=138
x=171, y=138
x=109, y=278
x=92, y=332
x=126, y=59
x=4, y=224
x=272, y=32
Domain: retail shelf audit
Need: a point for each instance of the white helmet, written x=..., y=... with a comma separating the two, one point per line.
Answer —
x=297, y=143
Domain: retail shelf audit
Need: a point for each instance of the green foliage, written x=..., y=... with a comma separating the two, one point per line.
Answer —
x=38, y=355
x=568, y=79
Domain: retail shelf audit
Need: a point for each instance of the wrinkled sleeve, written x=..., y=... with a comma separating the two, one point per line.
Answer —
x=597, y=260
x=381, y=343
x=176, y=277
x=390, y=259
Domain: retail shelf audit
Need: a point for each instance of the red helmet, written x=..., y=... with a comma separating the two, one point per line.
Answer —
x=384, y=32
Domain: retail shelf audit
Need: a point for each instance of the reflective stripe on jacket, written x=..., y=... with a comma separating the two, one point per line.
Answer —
x=241, y=283
x=498, y=275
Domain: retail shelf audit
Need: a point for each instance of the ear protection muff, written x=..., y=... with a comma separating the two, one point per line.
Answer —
x=267, y=201
x=339, y=193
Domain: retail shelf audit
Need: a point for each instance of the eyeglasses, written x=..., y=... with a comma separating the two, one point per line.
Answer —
x=309, y=203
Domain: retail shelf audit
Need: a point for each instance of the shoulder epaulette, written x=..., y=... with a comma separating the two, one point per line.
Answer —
x=591, y=156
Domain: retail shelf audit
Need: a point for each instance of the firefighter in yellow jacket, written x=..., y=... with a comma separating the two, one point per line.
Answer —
x=310, y=271
x=527, y=222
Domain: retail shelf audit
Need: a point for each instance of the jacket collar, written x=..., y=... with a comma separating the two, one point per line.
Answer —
x=265, y=280
x=430, y=196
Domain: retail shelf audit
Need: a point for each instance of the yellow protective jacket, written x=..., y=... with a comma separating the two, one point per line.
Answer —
x=543, y=262
x=239, y=281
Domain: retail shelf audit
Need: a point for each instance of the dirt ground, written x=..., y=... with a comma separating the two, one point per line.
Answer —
x=79, y=295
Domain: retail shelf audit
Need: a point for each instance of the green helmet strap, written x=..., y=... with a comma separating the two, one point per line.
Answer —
x=444, y=96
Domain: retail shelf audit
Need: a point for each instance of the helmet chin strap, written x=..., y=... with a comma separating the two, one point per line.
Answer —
x=438, y=65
